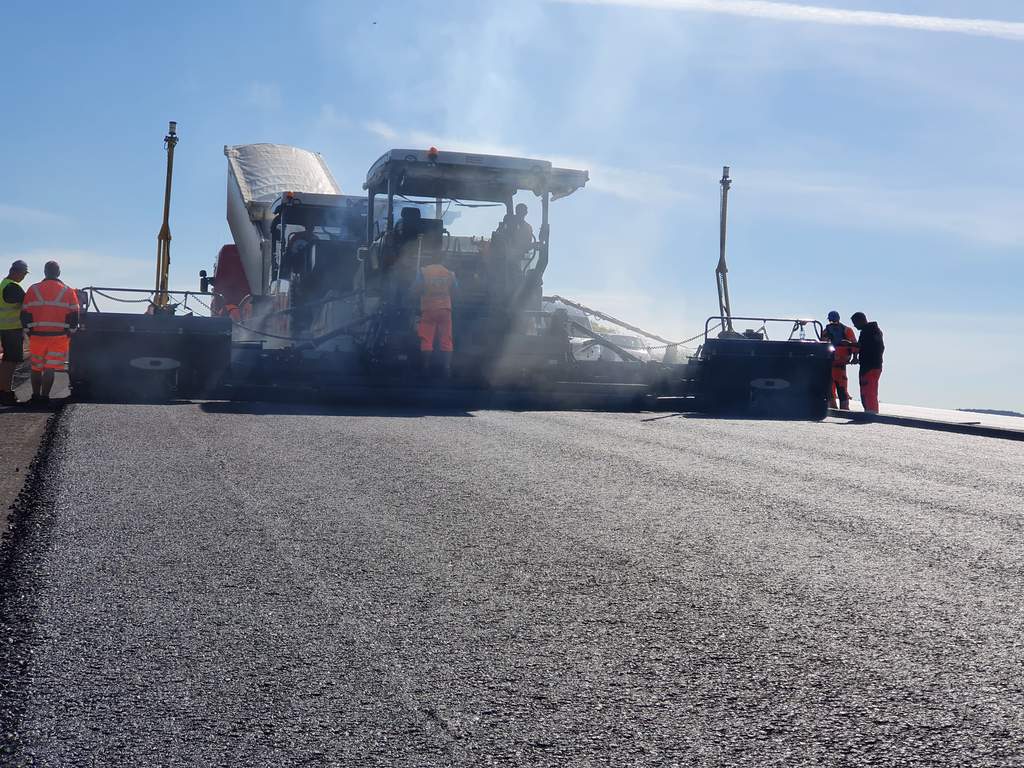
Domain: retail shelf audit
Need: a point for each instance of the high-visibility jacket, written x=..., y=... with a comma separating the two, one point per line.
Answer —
x=436, y=289
x=10, y=312
x=836, y=333
x=49, y=303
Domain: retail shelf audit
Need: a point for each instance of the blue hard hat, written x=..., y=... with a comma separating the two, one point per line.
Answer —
x=833, y=316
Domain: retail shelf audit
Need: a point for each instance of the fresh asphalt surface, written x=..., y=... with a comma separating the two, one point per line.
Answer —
x=247, y=585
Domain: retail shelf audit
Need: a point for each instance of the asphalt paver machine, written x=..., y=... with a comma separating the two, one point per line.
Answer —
x=337, y=312
x=315, y=297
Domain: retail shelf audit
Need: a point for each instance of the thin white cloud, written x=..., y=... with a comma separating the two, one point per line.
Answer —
x=16, y=214
x=761, y=9
x=81, y=268
x=624, y=183
x=381, y=129
x=974, y=215
x=992, y=217
x=264, y=96
x=331, y=119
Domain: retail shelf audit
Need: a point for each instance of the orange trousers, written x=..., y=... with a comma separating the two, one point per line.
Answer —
x=840, y=385
x=869, y=389
x=49, y=353
x=434, y=323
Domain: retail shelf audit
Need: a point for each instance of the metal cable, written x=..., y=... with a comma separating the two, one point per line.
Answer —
x=201, y=303
x=684, y=342
x=273, y=335
x=122, y=301
x=93, y=293
x=314, y=339
x=714, y=327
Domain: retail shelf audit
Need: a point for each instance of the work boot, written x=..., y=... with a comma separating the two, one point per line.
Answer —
x=446, y=364
x=844, y=405
x=425, y=358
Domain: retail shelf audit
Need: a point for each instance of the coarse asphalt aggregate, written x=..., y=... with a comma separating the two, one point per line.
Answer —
x=246, y=584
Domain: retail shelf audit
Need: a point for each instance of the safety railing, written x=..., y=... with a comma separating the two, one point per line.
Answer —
x=798, y=329
x=92, y=291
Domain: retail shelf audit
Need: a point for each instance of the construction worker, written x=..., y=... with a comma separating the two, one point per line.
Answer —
x=844, y=340
x=520, y=231
x=558, y=328
x=435, y=284
x=11, y=336
x=49, y=312
x=870, y=346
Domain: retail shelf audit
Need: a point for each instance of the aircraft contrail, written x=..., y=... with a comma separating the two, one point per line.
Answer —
x=1007, y=30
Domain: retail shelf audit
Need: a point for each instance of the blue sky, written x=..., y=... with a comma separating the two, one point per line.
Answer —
x=876, y=160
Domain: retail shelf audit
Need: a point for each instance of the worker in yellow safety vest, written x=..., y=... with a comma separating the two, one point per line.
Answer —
x=12, y=295
x=50, y=312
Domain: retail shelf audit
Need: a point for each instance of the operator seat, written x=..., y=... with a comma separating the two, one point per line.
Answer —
x=409, y=225
x=298, y=253
x=412, y=225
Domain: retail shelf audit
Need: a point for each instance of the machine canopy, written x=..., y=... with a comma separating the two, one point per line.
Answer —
x=465, y=176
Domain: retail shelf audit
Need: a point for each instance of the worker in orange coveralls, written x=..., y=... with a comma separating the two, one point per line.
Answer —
x=435, y=284
x=844, y=340
x=49, y=312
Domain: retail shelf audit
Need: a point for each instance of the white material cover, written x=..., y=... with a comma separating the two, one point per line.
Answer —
x=257, y=175
x=265, y=171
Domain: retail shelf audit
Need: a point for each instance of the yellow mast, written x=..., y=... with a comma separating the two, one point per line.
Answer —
x=163, y=240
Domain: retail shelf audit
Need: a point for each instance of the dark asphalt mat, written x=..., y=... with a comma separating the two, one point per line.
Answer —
x=307, y=586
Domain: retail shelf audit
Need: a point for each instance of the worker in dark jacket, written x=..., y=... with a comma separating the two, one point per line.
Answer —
x=12, y=296
x=520, y=231
x=870, y=349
